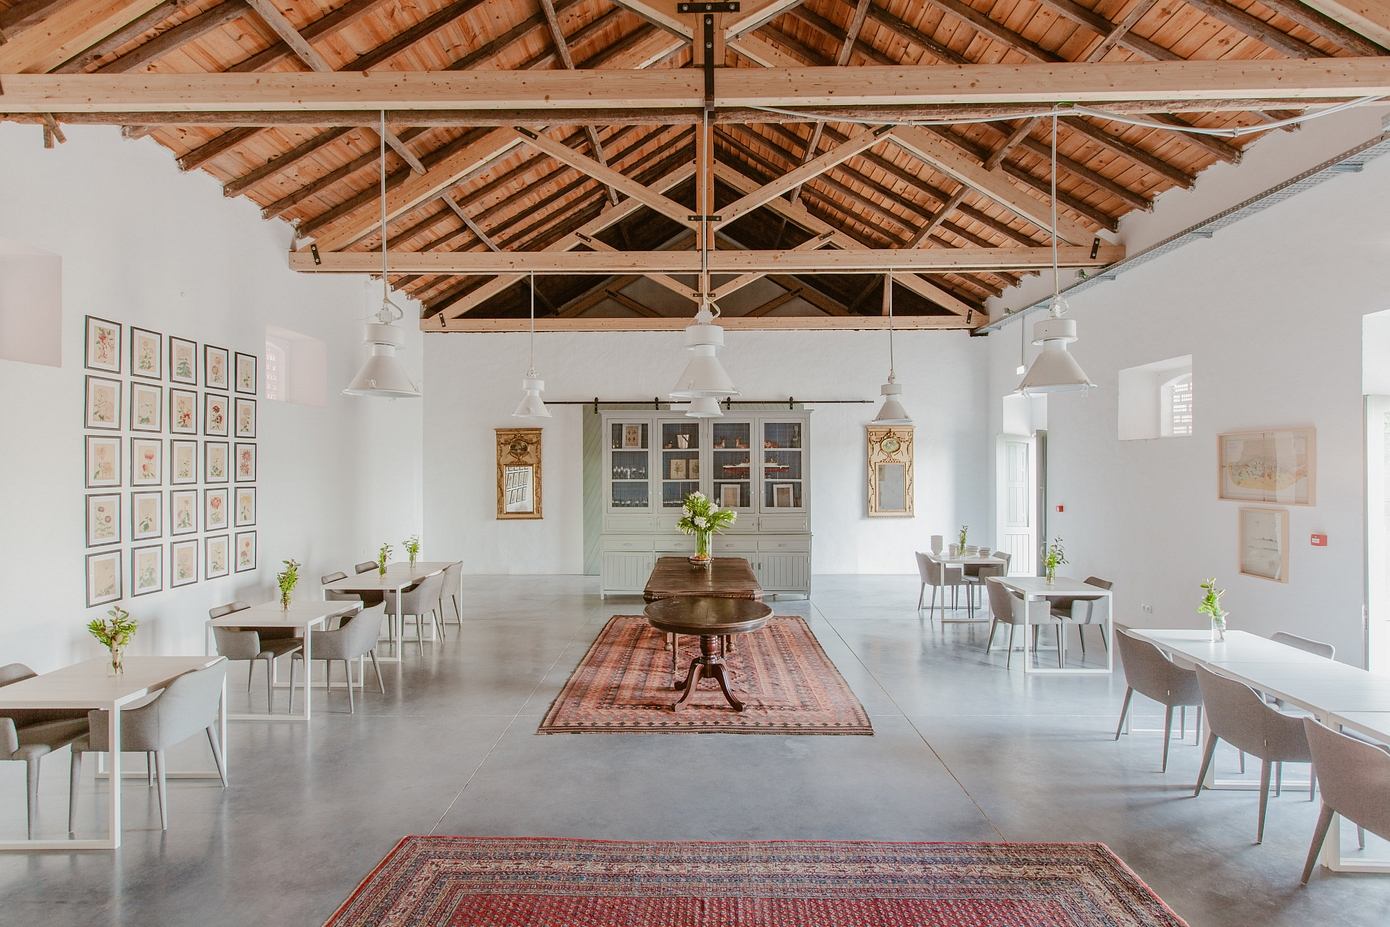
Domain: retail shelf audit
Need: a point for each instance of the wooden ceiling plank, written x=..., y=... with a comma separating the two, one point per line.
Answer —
x=66, y=29
x=661, y=13
x=557, y=38
x=132, y=31
x=1370, y=18
x=1113, y=34
x=1257, y=28
x=1325, y=27
x=753, y=14
x=176, y=37
x=281, y=163
x=767, y=307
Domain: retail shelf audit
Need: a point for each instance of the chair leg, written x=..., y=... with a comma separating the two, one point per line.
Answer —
x=380, y=685
x=250, y=671
x=439, y=618
x=419, y=635
x=1008, y=661
x=993, y=626
x=1264, y=799
x=327, y=678
x=1103, y=642
x=458, y=613
x=1360, y=837
x=149, y=772
x=352, y=709
x=1312, y=783
x=1242, y=762
x=1278, y=779
x=921, y=594
x=74, y=780
x=931, y=609
x=1061, y=629
x=31, y=783
x=163, y=797
x=1319, y=835
x=1124, y=711
x=1081, y=636
x=217, y=755
x=1182, y=722
x=1167, y=734
x=1207, y=755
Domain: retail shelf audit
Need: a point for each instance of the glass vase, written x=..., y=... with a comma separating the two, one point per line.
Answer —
x=702, y=546
x=1218, y=631
x=284, y=601
x=116, y=665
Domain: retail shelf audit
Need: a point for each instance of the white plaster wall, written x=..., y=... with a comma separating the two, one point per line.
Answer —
x=475, y=382
x=142, y=243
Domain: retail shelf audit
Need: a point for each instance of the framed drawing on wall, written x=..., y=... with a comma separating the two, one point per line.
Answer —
x=103, y=577
x=1276, y=465
x=102, y=350
x=632, y=437
x=103, y=519
x=146, y=461
x=216, y=556
x=146, y=407
x=518, y=473
x=215, y=454
x=244, y=514
x=103, y=403
x=183, y=512
x=214, y=509
x=183, y=563
x=1264, y=543
x=890, y=470
x=215, y=362
x=183, y=411
x=245, y=551
x=183, y=361
x=103, y=461
x=245, y=417
x=215, y=415
x=245, y=462
x=245, y=374
x=730, y=496
x=146, y=353
x=183, y=461
x=147, y=569
x=146, y=515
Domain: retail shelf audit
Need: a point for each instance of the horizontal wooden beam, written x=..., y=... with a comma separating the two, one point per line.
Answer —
x=439, y=324
x=929, y=260
x=66, y=30
x=1370, y=18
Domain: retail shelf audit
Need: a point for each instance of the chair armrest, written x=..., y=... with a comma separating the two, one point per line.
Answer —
x=9, y=737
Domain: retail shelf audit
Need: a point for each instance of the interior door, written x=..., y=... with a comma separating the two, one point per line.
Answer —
x=1377, y=533
x=1016, y=502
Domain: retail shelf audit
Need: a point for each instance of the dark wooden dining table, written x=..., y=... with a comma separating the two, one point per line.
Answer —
x=722, y=578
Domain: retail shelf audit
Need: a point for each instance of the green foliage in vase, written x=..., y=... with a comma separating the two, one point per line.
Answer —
x=412, y=547
x=1055, y=557
x=701, y=514
x=1211, y=603
x=287, y=579
x=382, y=556
x=964, y=532
x=115, y=630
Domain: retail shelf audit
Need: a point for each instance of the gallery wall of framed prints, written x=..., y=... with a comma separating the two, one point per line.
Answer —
x=171, y=457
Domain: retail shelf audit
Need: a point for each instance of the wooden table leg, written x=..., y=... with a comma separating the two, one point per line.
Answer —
x=692, y=681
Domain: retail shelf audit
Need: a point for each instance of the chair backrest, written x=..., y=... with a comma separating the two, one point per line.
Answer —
x=15, y=672
x=365, y=566
x=937, y=543
x=217, y=611
x=237, y=643
x=1152, y=674
x=1240, y=716
x=1001, y=602
x=361, y=633
x=423, y=598
x=332, y=577
x=453, y=575
x=1317, y=648
x=189, y=703
x=1354, y=776
x=1099, y=583
x=928, y=569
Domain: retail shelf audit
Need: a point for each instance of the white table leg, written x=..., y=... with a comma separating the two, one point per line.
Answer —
x=222, y=732
x=308, y=671
x=113, y=744
x=399, y=623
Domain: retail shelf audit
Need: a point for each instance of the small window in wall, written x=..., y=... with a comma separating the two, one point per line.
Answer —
x=1157, y=400
x=296, y=368
x=31, y=305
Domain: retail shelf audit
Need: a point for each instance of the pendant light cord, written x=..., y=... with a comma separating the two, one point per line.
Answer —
x=1056, y=281
x=888, y=285
x=531, y=366
x=387, y=307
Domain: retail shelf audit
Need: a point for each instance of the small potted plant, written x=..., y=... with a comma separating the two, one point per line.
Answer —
x=702, y=518
x=114, y=633
x=1211, y=607
x=1056, y=556
x=287, y=579
x=381, y=557
x=960, y=541
x=412, y=548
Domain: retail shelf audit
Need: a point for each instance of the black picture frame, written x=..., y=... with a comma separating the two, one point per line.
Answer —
x=236, y=462
x=236, y=507
x=119, y=574
x=135, y=553
x=226, y=542
x=87, y=322
x=87, y=519
x=191, y=378
x=174, y=496
x=158, y=530
x=211, y=351
x=174, y=427
x=237, y=358
x=174, y=548
x=210, y=417
x=116, y=442
x=135, y=332
x=87, y=404
x=208, y=476
x=238, y=403
x=136, y=387
x=236, y=556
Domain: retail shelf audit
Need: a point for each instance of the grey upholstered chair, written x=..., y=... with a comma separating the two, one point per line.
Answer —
x=1316, y=648
x=251, y=645
x=334, y=595
x=1008, y=609
x=30, y=734
x=1081, y=611
x=356, y=637
x=1151, y=674
x=1240, y=716
x=419, y=601
x=453, y=579
x=368, y=598
x=939, y=578
x=976, y=575
x=179, y=711
x=1355, y=777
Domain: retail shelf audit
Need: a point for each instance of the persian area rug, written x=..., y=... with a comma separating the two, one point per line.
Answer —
x=509, y=882
x=786, y=682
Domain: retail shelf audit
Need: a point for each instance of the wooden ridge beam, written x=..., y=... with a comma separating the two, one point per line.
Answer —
x=782, y=323
x=65, y=30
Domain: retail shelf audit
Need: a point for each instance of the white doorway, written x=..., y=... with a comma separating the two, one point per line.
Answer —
x=1378, y=533
x=1016, y=501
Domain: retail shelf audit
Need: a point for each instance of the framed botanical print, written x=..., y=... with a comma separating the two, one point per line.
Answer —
x=183, y=361
x=147, y=569
x=103, y=345
x=146, y=407
x=183, y=461
x=103, y=461
x=183, y=563
x=216, y=556
x=245, y=515
x=146, y=461
x=245, y=462
x=245, y=374
x=103, y=405
x=146, y=515
x=183, y=512
x=103, y=577
x=103, y=519
x=216, y=465
x=146, y=353
x=215, y=415
x=183, y=411
x=245, y=417
x=245, y=551
x=1264, y=543
x=1276, y=465
x=214, y=509
x=215, y=360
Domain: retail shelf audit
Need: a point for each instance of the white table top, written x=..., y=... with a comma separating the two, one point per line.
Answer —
x=1197, y=646
x=87, y=685
x=1039, y=587
x=1373, y=724
x=958, y=559
x=398, y=576
x=301, y=614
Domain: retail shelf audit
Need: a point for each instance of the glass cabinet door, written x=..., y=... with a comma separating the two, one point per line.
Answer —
x=629, y=456
x=731, y=453
x=680, y=461
x=782, y=465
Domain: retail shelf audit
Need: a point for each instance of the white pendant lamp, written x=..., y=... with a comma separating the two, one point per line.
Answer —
x=383, y=374
x=704, y=376
x=531, y=404
x=892, y=411
x=703, y=408
x=1054, y=370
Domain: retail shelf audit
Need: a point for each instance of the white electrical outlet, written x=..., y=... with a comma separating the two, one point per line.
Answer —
x=1146, y=608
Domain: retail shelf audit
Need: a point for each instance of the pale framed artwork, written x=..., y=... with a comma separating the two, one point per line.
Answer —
x=890, y=460
x=102, y=350
x=103, y=577
x=147, y=569
x=783, y=496
x=183, y=461
x=216, y=461
x=183, y=361
x=146, y=353
x=214, y=509
x=245, y=551
x=245, y=509
x=1275, y=465
x=183, y=512
x=730, y=496
x=245, y=373
x=215, y=415
x=103, y=519
x=146, y=407
x=215, y=373
x=146, y=515
x=146, y=461
x=103, y=461
x=518, y=473
x=675, y=468
x=245, y=417
x=216, y=556
x=183, y=411
x=632, y=437
x=183, y=563
x=1264, y=543
x=692, y=469
x=245, y=462
x=103, y=403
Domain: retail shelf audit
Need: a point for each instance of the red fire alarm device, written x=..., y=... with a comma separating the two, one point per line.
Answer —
x=1061, y=508
x=1318, y=540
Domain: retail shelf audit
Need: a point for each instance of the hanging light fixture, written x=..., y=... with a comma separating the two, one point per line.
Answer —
x=892, y=411
x=1054, y=370
x=382, y=374
x=531, y=405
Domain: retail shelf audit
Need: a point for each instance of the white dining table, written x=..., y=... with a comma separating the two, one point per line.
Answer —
x=982, y=557
x=89, y=685
x=1037, y=592
x=398, y=577
x=1334, y=693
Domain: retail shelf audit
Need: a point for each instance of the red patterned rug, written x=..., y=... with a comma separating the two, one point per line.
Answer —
x=509, y=882
x=780, y=672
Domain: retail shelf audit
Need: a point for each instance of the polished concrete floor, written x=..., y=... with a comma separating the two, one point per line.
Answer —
x=963, y=750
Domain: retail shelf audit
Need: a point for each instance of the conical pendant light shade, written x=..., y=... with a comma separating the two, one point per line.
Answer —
x=704, y=408
x=892, y=411
x=531, y=405
x=704, y=377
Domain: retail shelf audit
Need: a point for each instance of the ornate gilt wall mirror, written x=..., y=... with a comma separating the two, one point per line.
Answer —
x=518, y=473
x=890, y=470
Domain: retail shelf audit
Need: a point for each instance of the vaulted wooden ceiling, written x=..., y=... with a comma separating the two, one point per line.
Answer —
x=810, y=189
